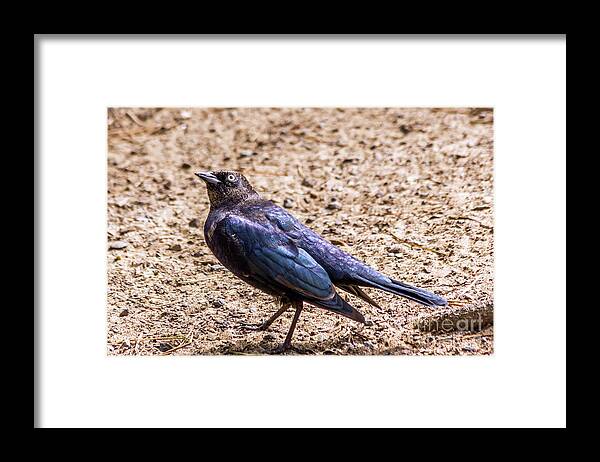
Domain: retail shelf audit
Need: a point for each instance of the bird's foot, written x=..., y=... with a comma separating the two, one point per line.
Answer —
x=282, y=348
x=254, y=327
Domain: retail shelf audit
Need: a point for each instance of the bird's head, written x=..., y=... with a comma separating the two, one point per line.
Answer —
x=226, y=187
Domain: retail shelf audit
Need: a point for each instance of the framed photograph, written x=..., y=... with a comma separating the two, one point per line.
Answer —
x=359, y=231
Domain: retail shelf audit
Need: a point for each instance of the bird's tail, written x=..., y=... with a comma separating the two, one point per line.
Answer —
x=422, y=296
x=340, y=306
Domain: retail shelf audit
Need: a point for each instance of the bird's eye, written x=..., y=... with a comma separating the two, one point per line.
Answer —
x=231, y=177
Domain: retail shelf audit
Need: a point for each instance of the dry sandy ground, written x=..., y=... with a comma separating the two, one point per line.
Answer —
x=409, y=191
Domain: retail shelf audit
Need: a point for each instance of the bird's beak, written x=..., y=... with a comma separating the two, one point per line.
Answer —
x=208, y=177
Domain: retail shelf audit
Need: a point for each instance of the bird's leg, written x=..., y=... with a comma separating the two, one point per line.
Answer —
x=265, y=325
x=288, y=339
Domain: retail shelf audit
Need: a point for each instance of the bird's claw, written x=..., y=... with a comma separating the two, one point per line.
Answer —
x=282, y=349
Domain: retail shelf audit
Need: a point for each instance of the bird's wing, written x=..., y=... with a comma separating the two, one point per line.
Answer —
x=272, y=256
x=283, y=221
x=343, y=269
x=271, y=260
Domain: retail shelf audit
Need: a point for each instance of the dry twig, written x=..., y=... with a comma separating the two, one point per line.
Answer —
x=419, y=246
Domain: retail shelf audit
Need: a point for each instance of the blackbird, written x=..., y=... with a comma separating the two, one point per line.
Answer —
x=268, y=248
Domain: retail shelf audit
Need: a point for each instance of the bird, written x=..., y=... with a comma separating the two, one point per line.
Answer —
x=267, y=247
